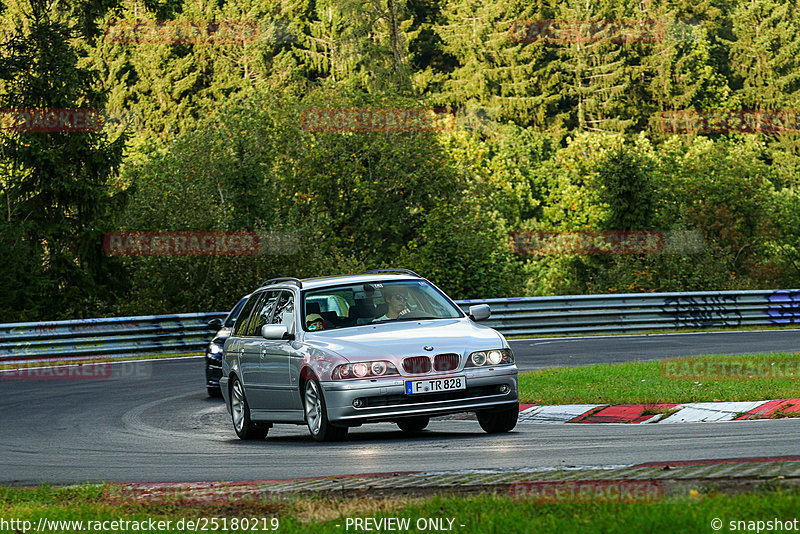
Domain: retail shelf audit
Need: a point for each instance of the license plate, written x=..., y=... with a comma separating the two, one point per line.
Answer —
x=415, y=387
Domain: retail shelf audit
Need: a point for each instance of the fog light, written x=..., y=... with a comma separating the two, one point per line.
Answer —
x=358, y=403
x=504, y=389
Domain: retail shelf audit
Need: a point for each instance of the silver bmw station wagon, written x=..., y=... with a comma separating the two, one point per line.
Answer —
x=386, y=345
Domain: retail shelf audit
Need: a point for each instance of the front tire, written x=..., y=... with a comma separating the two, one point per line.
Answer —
x=214, y=392
x=240, y=413
x=317, y=414
x=498, y=421
x=412, y=425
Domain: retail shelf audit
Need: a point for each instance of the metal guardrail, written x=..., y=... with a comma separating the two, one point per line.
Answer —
x=594, y=314
x=640, y=312
x=85, y=339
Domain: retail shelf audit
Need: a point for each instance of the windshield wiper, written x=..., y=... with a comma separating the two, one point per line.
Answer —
x=424, y=317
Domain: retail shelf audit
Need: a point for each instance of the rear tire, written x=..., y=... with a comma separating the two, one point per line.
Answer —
x=316, y=413
x=498, y=421
x=240, y=413
x=412, y=425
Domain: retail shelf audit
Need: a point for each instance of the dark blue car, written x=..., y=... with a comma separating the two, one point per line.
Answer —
x=214, y=349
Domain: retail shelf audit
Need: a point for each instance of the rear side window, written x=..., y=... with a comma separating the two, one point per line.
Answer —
x=284, y=311
x=262, y=313
x=244, y=315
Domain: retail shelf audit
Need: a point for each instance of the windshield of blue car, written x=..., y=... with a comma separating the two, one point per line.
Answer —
x=375, y=303
x=231, y=318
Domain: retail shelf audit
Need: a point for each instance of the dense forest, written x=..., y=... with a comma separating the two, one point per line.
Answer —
x=668, y=117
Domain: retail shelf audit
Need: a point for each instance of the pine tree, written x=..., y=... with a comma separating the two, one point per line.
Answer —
x=167, y=83
x=56, y=182
x=601, y=64
x=556, y=67
x=498, y=68
x=765, y=53
x=686, y=70
x=362, y=43
x=765, y=65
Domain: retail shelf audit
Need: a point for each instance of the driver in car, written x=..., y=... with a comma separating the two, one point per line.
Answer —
x=397, y=304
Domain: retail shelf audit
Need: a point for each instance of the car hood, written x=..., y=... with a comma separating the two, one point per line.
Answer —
x=221, y=335
x=397, y=340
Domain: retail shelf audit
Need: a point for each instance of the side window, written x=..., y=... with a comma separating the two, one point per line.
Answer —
x=284, y=311
x=244, y=315
x=262, y=313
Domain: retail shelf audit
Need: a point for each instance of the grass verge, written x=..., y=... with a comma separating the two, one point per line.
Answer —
x=484, y=513
x=697, y=379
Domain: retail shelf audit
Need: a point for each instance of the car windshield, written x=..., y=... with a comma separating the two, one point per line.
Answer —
x=231, y=318
x=374, y=303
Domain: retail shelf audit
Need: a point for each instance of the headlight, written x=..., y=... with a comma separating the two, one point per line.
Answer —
x=484, y=358
x=364, y=370
x=213, y=349
x=360, y=370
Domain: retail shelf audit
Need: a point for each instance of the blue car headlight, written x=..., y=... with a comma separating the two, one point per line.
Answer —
x=214, y=351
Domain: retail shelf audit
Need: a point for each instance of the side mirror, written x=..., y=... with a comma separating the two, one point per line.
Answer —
x=479, y=312
x=275, y=331
x=215, y=324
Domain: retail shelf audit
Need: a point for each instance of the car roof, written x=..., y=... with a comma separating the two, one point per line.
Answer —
x=328, y=281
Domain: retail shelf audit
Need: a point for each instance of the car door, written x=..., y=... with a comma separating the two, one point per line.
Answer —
x=252, y=352
x=234, y=344
x=275, y=356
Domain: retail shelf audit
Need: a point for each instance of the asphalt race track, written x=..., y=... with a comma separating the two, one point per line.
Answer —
x=534, y=354
x=152, y=421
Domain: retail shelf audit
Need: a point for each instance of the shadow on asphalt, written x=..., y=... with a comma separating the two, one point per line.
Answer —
x=377, y=437
x=357, y=435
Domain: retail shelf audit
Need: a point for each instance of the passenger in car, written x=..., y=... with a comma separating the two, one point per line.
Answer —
x=314, y=321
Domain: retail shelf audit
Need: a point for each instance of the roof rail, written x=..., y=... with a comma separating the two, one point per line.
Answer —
x=407, y=271
x=295, y=281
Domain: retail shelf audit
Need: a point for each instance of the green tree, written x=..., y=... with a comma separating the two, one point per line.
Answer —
x=463, y=248
x=349, y=199
x=626, y=188
x=765, y=67
x=687, y=65
x=56, y=183
x=765, y=54
x=226, y=175
x=371, y=190
x=168, y=82
x=497, y=69
x=362, y=43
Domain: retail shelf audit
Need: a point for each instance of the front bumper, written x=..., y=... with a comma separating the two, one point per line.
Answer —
x=223, y=388
x=386, y=400
x=213, y=371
